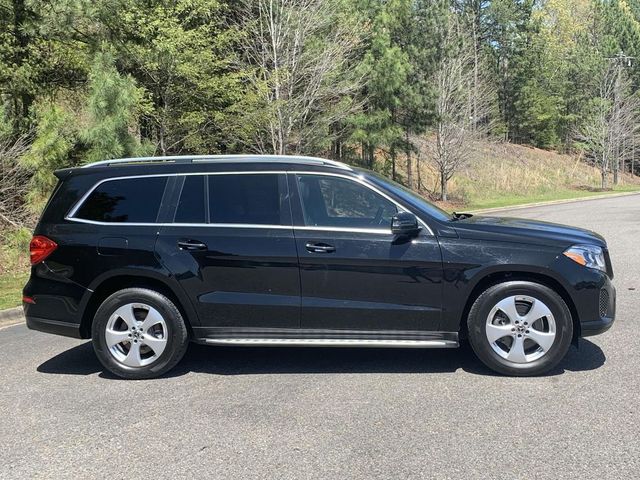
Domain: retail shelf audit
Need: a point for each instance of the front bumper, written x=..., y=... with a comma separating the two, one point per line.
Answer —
x=604, y=315
x=596, y=327
x=592, y=294
x=606, y=312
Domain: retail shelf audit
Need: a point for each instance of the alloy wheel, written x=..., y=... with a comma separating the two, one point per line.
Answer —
x=136, y=334
x=521, y=328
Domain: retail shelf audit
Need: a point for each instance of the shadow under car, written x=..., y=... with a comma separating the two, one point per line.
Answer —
x=81, y=360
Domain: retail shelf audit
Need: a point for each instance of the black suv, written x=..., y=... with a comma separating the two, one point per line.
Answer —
x=144, y=255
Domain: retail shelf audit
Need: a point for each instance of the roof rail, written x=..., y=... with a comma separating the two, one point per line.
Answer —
x=222, y=159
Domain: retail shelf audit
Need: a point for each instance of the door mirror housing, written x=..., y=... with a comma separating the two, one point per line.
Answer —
x=405, y=224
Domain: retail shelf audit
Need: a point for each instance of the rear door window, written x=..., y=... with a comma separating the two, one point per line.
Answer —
x=127, y=200
x=249, y=199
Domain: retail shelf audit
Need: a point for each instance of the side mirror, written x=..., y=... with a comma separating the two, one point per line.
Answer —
x=405, y=224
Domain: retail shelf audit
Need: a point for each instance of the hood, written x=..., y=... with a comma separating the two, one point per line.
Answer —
x=521, y=230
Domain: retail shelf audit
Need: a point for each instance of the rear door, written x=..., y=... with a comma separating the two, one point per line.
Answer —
x=355, y=274
x=231, y=247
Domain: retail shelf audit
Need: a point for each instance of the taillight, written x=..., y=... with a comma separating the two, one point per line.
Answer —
x=40, y=248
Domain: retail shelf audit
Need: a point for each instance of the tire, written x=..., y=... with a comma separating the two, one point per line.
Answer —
x=520, y=328
x=139, y=333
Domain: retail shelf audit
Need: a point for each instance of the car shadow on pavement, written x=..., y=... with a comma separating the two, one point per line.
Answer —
x=81, y=360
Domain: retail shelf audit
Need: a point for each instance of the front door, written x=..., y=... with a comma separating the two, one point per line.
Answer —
x=231, y=247
x=356, y=275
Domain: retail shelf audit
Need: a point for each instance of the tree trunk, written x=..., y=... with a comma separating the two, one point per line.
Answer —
x=603, y=173
x=409, y=160
x=393, y=163
x=161, y=140
x=443, y=187
x=20, y=55
x=336, y=149
x=474, y=115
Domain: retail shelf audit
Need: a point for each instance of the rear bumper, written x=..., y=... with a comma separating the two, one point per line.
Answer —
x=56, y=308
x=53, y=326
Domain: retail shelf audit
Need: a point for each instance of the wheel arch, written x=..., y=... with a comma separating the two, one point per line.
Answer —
x=495, y=278
x=106, y=285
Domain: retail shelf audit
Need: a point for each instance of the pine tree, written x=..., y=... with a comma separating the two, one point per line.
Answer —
x=113, y=104
x=386, y=67
x=56, y=135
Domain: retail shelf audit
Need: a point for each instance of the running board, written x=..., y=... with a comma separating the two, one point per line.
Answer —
x=330, y=342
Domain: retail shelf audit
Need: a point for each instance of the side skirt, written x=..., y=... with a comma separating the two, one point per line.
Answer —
x=277, y=337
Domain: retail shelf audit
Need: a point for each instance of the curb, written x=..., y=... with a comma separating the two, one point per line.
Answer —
x=11, y=316
x=554, y=202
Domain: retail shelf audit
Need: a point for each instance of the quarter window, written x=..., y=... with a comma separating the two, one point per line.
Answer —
x=340, y=202
x=255, y=199
x=131, y=200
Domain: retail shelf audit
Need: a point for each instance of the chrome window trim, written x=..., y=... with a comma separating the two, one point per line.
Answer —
x=169, y=224
x=357, y=179
x=239, y=225
x=382, y=231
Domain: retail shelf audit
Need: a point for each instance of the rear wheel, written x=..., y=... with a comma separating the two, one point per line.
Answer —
x=139, y=333
x=520, y=328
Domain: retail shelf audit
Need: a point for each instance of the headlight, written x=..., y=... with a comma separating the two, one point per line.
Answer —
x=587, y=255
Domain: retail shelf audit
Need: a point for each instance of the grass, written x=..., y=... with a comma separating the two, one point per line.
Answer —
x=560, y=194
x=14, y=265
x=11, y=289
x=504, y=174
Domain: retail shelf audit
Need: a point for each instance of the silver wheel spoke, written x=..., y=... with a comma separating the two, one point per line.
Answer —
x=133, y=358
x=496, y=332
x=114, y=337
x=508, y=306
x=516, y=352
x=543, y=339
x=125, y=312
x=153, y=318
x=536, y=312
x=155, y=344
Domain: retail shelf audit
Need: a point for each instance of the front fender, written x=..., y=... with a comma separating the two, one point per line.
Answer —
x=472, y=264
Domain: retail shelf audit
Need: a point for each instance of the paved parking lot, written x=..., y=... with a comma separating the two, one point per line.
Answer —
x=342, y=413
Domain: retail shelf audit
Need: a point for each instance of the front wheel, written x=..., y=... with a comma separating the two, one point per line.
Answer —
x=139, y=333
x=520, y=328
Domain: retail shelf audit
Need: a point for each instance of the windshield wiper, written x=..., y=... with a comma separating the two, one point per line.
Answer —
x=460, y=216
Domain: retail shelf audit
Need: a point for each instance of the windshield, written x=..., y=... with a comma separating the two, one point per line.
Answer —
x=407, y=195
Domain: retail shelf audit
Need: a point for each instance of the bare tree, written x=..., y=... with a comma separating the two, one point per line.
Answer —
x=462, y=105
x=301, y=55
x=14, y=182
x=610, y=132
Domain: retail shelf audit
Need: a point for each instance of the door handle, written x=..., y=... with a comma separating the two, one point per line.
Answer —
x=191, y=245
x=320, y=248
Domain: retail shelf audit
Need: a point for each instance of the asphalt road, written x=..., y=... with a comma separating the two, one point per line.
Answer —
x=343, y=413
